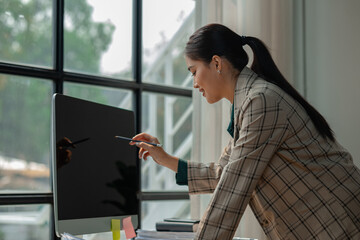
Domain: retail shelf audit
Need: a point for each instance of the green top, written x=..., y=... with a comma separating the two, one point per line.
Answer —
x=230, y=128
x=181, y=175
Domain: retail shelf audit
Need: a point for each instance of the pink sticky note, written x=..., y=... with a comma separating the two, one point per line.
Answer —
x=129, y=228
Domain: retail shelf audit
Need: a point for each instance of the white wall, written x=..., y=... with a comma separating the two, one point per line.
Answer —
x=332, y=66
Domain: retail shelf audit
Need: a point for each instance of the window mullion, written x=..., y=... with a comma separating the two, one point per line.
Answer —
x=58, y=42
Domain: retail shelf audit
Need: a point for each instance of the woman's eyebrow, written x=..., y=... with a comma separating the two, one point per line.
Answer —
x=190, y=67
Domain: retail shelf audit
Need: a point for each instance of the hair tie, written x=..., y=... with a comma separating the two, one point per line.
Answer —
x=243, y=40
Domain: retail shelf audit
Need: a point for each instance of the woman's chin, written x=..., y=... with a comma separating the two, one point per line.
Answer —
x=211, y=100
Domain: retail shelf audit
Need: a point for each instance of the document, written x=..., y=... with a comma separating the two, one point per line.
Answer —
x=149, y=234
x=68, y=236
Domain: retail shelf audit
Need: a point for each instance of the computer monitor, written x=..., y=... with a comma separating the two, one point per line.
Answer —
x=95, y=175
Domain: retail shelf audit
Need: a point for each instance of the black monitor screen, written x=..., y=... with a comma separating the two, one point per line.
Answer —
x=96, y=174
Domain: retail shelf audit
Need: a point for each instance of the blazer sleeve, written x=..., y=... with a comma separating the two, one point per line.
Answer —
x=261, y=129
x=203, y=178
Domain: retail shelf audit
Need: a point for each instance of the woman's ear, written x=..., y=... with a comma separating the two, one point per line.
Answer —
x=217, y=61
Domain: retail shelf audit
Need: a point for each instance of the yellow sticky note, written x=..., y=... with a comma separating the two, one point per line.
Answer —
x=115, y=228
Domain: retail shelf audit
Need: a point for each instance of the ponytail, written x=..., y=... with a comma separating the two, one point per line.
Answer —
x=265, y=67
x=216, y=39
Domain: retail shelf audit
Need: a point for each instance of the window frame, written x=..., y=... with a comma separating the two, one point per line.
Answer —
x=58, y=76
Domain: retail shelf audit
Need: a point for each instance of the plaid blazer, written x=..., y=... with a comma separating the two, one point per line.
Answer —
x=298, y=184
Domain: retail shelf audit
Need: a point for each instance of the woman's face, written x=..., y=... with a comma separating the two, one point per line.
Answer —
x=206, y=79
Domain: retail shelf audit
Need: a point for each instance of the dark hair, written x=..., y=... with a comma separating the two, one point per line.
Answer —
x=216, y=39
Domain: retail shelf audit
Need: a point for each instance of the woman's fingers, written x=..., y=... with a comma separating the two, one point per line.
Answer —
x=143, y=148
x=141, y=137
x=147, y=150
x=144, y=137
x=141, y=152
x=145, y=155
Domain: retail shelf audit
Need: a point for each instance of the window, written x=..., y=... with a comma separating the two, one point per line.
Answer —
x=126, y=54
x=25, y=136
x=98, y=38
x=30, y=221
x=165, y=34
x=24, y=31
x=169, y=118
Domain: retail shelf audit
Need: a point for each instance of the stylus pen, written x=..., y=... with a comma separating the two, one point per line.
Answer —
x=129, y=139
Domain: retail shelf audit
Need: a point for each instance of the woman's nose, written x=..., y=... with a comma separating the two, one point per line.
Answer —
x=196, y=85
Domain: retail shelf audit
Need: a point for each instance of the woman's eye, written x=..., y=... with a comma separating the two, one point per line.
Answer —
x=193, y=75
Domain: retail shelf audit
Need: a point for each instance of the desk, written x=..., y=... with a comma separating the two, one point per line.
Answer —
x=147, y=235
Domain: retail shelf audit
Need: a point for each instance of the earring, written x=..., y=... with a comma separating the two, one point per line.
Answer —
x=218, y=71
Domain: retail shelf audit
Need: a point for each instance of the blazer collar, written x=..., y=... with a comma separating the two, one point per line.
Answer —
x=243, y=85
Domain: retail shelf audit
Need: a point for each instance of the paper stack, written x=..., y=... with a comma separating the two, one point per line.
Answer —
x=149, y=234
x=68, y=236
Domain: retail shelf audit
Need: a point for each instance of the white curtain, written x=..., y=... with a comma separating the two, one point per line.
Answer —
x=271, y=21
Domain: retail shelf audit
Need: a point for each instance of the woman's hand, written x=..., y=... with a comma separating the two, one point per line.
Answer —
x=157, y=153
x=63, y=152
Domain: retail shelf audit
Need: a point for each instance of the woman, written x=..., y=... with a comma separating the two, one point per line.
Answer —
x=282, y=159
